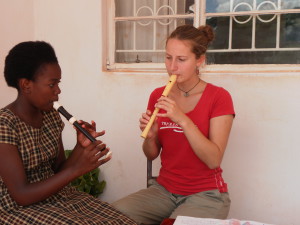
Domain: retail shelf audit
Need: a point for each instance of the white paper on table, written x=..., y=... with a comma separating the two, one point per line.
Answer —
x=186, y=220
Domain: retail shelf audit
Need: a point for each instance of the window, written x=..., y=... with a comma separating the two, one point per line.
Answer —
x=247, y=31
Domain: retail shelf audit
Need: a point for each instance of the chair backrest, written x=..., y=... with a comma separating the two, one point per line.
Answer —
x=149, y=171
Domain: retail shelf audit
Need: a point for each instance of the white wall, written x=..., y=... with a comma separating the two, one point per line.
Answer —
x=261, y=163
x=16, y=25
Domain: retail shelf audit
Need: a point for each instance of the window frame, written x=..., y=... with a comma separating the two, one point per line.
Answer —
x=109, y=64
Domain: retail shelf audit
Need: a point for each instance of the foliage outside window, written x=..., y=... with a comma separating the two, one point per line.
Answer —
x=247, y=31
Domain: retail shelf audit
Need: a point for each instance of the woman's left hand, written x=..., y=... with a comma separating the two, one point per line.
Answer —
x=172, y=109
x=91, y=128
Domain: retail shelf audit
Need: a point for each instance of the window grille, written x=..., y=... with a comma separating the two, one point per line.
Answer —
x=247, y=31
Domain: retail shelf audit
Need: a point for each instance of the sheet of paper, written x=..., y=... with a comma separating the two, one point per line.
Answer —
x=186, y=220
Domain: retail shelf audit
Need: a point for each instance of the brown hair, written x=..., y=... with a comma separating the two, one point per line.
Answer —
x=199, y=37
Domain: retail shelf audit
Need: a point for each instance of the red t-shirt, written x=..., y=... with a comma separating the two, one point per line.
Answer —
x=182, y=172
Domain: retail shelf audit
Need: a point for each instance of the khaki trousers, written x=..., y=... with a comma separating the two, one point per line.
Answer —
x=152, y=205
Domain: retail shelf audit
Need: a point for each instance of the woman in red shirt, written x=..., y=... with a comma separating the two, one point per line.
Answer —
x=190, y=134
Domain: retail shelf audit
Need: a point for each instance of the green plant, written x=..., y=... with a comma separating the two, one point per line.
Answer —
x=89, y=182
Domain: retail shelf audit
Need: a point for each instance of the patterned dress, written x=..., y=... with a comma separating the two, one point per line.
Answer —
x=38, y=148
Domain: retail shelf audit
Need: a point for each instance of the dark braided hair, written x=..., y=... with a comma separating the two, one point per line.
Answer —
x=25, y=59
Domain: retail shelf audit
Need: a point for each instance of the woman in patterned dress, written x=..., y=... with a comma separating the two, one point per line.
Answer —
x=34, y=173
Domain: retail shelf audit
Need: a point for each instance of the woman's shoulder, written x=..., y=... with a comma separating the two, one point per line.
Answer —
x=9, y=125
x=213, y=89
x=220, y=100
x=7, y=117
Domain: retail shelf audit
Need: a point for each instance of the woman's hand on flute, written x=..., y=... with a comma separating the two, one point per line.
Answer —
x=88, y=155
x=144, y=121
x=85, y=142
x=151, y=146
x=172, y=110
x=91, y=128
x=85, y=159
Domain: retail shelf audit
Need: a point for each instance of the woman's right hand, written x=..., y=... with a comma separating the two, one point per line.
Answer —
x=151, y=145
x=144, y=121
x=85, y=159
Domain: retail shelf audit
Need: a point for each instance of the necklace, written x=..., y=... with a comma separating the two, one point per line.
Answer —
x=186, y=93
